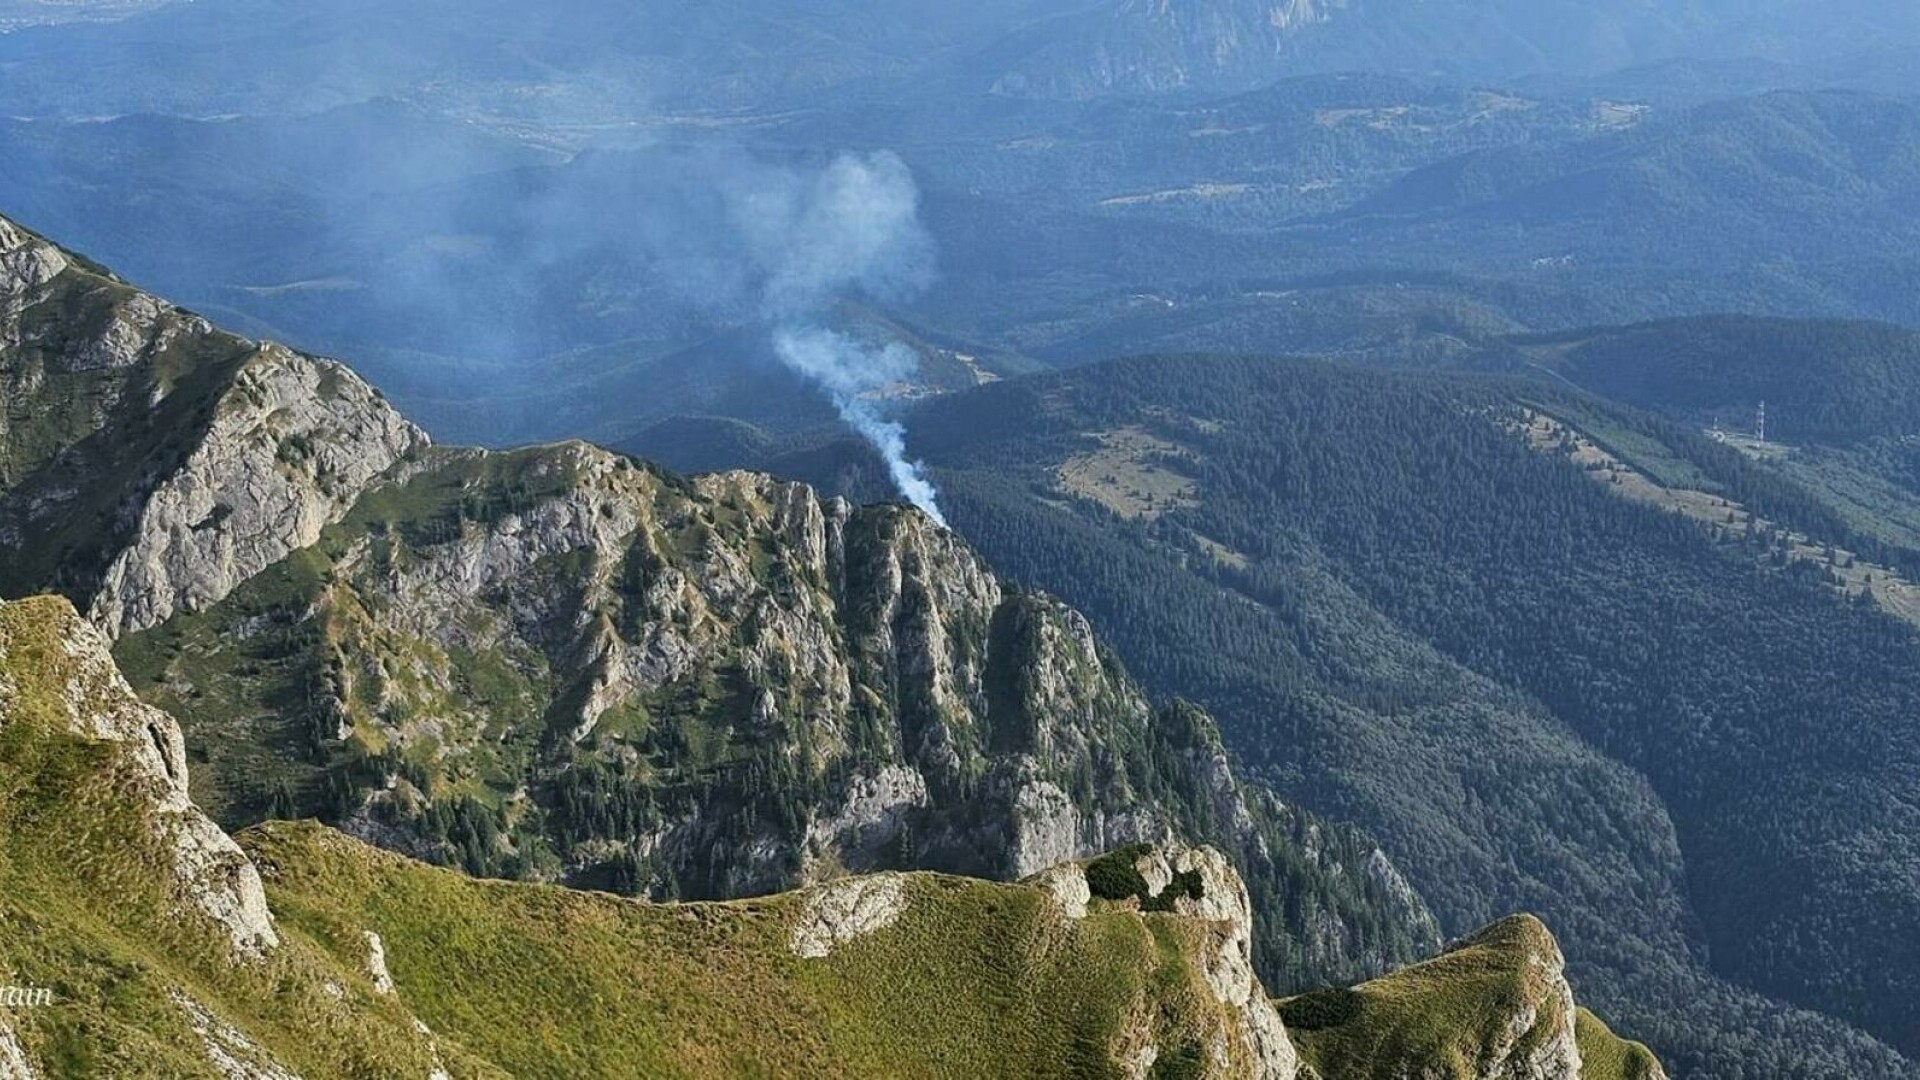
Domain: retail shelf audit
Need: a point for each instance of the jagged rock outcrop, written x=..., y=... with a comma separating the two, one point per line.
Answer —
x=1496, y=1006
x=1537, y=1040
x=56, y=668
x=26, y=263
x=120, y=891
x=1198, y=883
x=377, y=963
x=149, y=463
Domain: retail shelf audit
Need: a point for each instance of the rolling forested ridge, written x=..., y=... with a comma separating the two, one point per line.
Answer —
x=1280, y=539
x=1542, y=692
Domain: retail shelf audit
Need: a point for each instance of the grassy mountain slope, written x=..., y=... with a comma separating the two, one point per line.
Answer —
x=128, y=907
x=107, y=917
x=1432, y=1013
x=964, y=978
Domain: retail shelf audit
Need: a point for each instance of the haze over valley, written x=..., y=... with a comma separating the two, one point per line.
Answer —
x=1229, y=538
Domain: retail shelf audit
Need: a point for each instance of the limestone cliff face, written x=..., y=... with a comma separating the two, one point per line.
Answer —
x=55, y=669
x=292, y=444
x=799, y=686
x=148, y=462
x=1217, y=895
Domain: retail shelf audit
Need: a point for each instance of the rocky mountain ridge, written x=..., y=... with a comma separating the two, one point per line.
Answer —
x=151, y=463
x=564, y=665
x=310, y=954
x=560, y=664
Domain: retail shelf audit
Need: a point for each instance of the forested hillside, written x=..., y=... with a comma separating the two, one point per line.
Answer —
x=1533, y=687
x=1822, y=380
x=1840, y=400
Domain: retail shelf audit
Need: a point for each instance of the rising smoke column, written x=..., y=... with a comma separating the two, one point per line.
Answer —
x=852, y=228
x=847, y=369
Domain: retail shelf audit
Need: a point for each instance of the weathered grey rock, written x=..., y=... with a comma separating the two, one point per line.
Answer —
x=26, y=263
x=1067, y=884
x=1046, y=827
x=840, y=911
x=875, y=812
x=1537, y=1039
x=211, y=874
x=232, y=1055
x=1223, y=901
x=838, y=617
x=377, y=963
x=13, y=1058
x=292, y=445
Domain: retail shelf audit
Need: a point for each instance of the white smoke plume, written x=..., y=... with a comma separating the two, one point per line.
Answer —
x=852, y=228
x=849, y=370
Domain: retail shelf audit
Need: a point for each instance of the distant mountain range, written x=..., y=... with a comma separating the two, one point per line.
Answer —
x=586, y=61
x=1147, y=46
x=468, y=267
